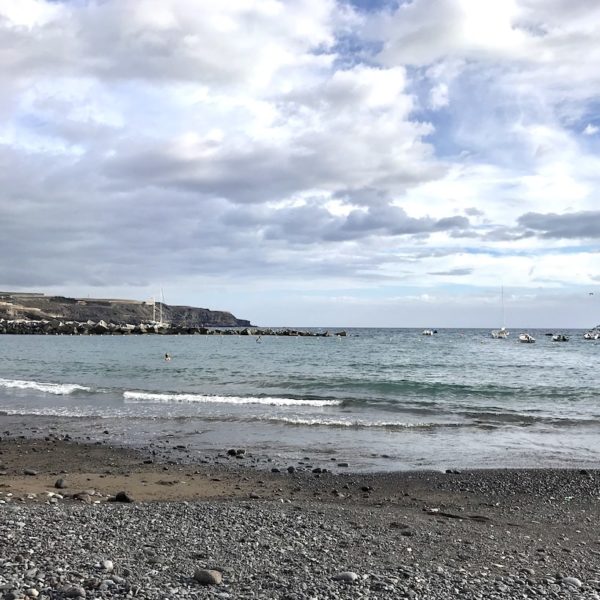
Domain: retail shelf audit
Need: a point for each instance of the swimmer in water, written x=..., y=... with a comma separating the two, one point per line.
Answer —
x=167, y=356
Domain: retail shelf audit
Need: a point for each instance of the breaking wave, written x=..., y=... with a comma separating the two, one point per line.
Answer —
x=166, y=398
x=58, y=389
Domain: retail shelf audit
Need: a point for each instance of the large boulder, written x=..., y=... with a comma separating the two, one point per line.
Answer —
x=100, y=328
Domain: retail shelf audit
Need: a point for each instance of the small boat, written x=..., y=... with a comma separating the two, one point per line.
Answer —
x=592, y=334
x=427, y=332
x=525, y=338
x=560, y=337
x=500, y=334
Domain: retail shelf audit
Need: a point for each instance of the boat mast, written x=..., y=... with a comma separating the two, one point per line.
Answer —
x=162, y=300
x=153, y=309
x=502, y=299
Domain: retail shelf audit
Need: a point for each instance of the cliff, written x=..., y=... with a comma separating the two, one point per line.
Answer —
x=37, y=307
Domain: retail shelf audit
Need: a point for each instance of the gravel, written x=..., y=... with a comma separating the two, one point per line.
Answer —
x=275, y=550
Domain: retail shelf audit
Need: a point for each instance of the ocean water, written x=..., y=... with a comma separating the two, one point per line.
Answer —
x=380, y=399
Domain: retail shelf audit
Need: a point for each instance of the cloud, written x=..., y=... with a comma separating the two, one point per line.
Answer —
x=349, y=145
x=458, y=272
x=438, y=96
x=579, y=225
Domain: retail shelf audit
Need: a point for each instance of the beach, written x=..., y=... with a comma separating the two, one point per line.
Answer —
x=380, y=465
x=287, y=532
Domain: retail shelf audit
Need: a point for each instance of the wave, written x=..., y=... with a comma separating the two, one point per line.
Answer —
x=358, y=424
x=59, y=389
x=364, y=423
x=166, y=398
x=378, y=390
x=74, y=413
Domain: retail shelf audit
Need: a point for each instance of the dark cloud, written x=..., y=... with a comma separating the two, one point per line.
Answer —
x=448, y=223
x=506, y=234
x=583, y=225
x=312, y=223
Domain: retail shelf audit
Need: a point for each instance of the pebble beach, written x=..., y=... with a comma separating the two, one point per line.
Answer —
x=81, y=520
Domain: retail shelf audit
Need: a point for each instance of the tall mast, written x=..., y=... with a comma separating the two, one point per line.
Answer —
x=502, y=298
x=162, y=299
x=153, y=309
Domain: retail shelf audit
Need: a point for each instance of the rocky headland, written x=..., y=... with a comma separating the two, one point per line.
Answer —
x=36, y=308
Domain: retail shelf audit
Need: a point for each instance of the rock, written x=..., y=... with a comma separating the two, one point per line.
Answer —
x=122, y=497
x=108, y=565
x=82, y=497
x=346, y=576
x=60, y=484
x=30, y=472
x=74, y=591
x=231, y=452
x=208, y=576
x=343, y=464
x=291, y=469
x=32, y=593
x=572, y=581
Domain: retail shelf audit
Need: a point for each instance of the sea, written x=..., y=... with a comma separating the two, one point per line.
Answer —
x=377, y=399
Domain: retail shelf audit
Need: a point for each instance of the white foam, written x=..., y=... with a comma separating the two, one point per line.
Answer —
x=198, y=398
x=349, y=423
x=59, y=389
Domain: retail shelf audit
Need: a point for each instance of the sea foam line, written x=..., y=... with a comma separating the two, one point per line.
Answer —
x=361, y=424
x=60, y=389
x=165, y=398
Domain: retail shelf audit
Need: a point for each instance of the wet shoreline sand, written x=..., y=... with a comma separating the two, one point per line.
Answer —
x=480, y=534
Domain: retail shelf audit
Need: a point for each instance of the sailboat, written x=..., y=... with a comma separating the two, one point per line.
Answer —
x=502, y=333
x=160, y=322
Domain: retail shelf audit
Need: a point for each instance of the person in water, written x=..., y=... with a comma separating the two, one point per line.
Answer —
x=167, y=356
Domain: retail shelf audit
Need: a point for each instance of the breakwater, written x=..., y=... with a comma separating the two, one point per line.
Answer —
x=58, y=327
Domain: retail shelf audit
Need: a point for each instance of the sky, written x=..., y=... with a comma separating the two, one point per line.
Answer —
x=306, y=162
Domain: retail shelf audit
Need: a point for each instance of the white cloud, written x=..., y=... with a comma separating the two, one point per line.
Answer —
x=438, y=97
x=29, y=13
x=284, y=142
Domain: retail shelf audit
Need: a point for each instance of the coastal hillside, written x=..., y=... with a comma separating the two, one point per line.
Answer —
x=34, y=307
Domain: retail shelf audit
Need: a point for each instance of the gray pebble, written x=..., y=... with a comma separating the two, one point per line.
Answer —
x=346, y=576
x=208, y=576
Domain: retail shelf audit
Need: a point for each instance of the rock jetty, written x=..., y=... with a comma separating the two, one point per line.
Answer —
x=59, y=327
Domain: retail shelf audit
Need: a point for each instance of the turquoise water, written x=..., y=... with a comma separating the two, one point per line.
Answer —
x=458, y=398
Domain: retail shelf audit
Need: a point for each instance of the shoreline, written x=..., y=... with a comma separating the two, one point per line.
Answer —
x=499, y=533
x=190, y=442
x=32, y=465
